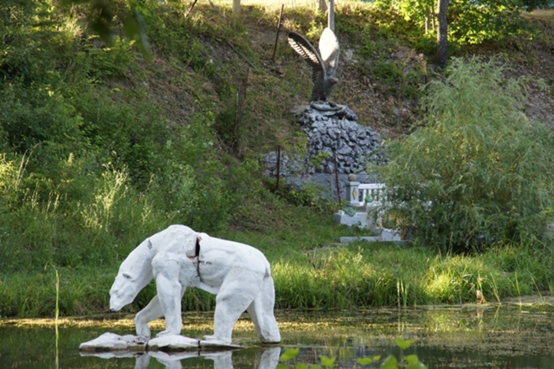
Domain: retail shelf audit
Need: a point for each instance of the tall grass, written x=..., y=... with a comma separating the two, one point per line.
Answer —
x=355, y=276
x=101, y=150
x=366, y=275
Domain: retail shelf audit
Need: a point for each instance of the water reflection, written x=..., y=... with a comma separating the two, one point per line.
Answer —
x=469, y=337
x=267, y=358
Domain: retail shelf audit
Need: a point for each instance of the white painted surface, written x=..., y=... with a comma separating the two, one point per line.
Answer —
x=238, y=274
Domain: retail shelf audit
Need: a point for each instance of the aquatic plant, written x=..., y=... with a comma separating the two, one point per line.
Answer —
x=390, y=362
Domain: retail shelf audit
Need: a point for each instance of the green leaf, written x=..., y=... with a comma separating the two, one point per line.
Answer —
x=377, y=358
x=364, y=360
x=100, y=20
x=417, y=365
x=390, y=363
x=134, y=29
x=289, y=354
x=281, y=366
x=414, y=363
x=327, y=361
x=301, y=366
x=404, y=344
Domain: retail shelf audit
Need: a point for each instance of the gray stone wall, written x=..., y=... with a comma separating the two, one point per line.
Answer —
x=330, y=130
x=334, y=130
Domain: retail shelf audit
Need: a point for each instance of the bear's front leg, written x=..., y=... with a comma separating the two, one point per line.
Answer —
x=152, y=311
x=166, y=267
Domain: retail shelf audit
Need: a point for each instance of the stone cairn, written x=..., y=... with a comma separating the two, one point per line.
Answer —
x=332, y=130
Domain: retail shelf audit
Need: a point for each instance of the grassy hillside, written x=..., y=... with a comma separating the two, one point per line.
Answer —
x=102, y=146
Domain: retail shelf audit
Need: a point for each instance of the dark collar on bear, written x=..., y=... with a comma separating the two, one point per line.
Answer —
x=197, y=256
x=197, y=250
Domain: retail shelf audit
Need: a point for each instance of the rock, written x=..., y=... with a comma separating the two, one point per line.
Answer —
x=182, y=343
x=114, y=342
x=173, y=343
x=333, y=128
x=111, y=342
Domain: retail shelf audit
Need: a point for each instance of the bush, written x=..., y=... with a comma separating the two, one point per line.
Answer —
x=476, y=172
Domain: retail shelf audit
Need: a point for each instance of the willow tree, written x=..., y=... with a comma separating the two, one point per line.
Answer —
x=477, y=172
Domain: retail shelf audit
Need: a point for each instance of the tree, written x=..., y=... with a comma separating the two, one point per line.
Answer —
x=236, y=8
x=464, y=21
x=442, y=34
x=477, y=171
x=321, y=6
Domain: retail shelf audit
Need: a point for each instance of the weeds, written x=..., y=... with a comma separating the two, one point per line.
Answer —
x=101, y=148
x=390, y=362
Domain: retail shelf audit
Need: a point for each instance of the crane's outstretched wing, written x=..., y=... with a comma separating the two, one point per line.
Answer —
x=329, y=51
x=306, y=50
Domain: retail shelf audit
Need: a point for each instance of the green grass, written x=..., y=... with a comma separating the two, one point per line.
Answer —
x=103, y=148
x=310, y=271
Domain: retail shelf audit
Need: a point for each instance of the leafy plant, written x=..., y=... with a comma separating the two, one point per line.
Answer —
x=469, y=22
x=476, y=171
x=390, y=362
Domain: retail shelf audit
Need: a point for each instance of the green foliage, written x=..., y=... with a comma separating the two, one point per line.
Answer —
x=108, y=62
x=476, y=172
x=469, y=22
x=490, y=20
x=398, y=77
x=38, y=119
x=101, y=147
x=102, y=14
x=390, y=362
x=306, y=275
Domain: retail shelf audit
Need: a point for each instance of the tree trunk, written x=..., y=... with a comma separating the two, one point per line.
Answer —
x=321, y=6
x=442, y=39
x=427, y=19
x=331, y=15
x=236, y=8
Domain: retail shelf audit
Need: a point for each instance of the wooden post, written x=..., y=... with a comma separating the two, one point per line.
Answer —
x=278, y=166
x=336, y=174
x=331, y=15
x=278, y=30
x=191, y=7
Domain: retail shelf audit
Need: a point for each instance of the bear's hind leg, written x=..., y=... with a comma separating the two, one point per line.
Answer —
x=262, y=315
x=236, y=294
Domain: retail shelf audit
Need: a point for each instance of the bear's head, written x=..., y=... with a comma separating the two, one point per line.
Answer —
x=134, y=274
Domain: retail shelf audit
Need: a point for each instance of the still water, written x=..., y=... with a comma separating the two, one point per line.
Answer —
x=492, y=336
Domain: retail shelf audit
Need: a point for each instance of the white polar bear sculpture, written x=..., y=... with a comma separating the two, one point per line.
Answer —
x=179, y=257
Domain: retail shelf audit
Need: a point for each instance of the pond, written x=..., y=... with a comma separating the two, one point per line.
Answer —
x=470, y=336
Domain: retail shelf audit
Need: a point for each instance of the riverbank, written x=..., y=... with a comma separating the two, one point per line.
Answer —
x=311, y=271
x=104, y=147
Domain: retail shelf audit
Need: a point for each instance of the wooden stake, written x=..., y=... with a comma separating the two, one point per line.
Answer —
x=191, y=7
x=278, y=30
x=336, y=174
x=331, y=15
x=278, y=165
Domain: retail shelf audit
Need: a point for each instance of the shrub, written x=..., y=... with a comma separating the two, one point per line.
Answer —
x=477, y=171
